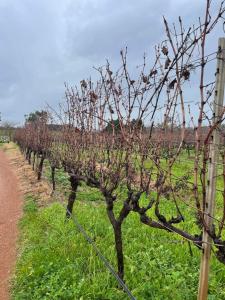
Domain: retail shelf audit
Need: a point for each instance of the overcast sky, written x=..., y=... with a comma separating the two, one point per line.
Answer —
x=44, y=43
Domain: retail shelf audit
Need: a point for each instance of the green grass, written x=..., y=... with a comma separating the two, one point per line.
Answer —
x=56, y=262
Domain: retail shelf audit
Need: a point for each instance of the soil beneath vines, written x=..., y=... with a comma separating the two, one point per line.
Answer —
x=17, y=179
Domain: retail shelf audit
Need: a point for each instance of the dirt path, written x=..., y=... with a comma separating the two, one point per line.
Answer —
x=17, y=179
x=10, y=212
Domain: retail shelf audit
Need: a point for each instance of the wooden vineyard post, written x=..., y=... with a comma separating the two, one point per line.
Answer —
x=211, y=187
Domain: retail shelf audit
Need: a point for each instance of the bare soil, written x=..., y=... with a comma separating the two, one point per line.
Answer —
x=16, y=180
x=10, y=212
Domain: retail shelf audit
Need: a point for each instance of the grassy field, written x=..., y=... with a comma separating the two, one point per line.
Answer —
x=56, y=262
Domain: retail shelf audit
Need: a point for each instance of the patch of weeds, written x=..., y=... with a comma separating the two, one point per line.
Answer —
x=30, y=204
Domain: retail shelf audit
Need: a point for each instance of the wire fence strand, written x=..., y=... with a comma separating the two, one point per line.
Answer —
x=92, y=243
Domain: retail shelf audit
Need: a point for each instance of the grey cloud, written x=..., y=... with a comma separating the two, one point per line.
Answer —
x=47, y=42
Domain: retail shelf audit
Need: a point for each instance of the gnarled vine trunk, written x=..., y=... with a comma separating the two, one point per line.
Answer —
x=72, y=197
x=53, y=177
x=119, y=249
x=40, y=167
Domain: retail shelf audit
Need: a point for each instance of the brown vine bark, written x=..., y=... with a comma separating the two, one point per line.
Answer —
x=40, y=167
x=72, y=197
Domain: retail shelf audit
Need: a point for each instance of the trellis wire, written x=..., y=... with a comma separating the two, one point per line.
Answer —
x=98, y=252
